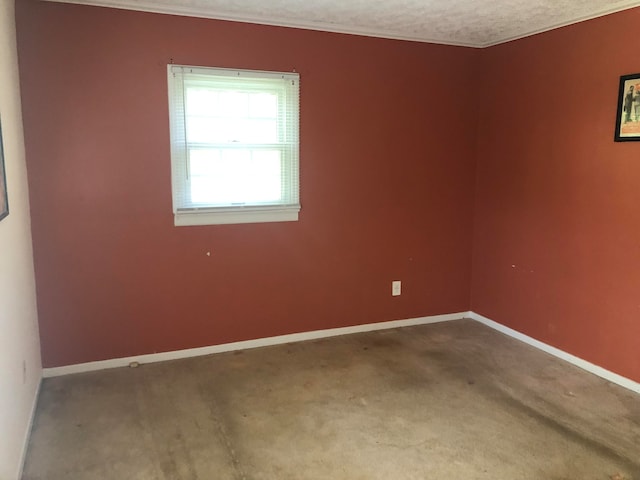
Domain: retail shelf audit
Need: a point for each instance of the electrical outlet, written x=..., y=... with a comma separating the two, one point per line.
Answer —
x=396, y=288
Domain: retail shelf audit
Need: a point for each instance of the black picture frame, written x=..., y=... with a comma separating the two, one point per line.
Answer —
x=4, y=198
x=628, y=116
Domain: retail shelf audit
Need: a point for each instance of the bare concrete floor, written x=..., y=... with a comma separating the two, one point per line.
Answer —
x=451, y=400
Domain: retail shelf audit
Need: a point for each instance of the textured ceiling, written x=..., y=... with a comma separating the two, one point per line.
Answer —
x=476, y=23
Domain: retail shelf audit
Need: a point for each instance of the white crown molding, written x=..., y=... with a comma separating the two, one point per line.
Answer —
x=187, y=11
x=600, y=13
x=192, y=11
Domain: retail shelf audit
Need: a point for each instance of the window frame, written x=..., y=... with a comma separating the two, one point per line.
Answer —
x=187, y=213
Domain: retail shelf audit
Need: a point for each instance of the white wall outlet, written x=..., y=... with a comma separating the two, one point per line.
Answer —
x=396, y=288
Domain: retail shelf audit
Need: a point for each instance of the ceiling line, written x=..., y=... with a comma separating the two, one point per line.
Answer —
x=184, y=10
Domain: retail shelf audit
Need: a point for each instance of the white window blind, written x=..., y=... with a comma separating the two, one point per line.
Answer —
x=234, y=145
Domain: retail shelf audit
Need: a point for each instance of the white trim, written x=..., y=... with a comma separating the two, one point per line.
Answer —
x=239, y=215
x=600, y=13
x=190, y=11
x=556, y=352
x=247, y=344
x=333, y=332
x=27, y=433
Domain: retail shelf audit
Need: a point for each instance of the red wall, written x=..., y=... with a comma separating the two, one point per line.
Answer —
x=557, y=226
x=387, y=174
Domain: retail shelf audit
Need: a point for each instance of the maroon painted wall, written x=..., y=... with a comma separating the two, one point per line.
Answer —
x=557, y=230
x=387, y=176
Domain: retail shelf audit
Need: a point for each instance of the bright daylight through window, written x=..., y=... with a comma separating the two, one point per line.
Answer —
x=234, y=145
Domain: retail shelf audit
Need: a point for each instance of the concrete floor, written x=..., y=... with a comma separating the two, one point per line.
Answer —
x=450, y=400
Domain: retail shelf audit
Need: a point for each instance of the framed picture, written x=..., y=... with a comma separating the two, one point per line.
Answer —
x=4, y=199
x=628, y=119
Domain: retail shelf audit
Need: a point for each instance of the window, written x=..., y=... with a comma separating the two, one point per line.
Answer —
x=234, y=145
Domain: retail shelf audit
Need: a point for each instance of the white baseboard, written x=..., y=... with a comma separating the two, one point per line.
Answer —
x=247, y=344
x=27, y=433
x=556, y=352
x=332, y=332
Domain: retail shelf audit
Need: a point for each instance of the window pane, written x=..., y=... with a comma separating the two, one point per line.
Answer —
x=235, y=176
x=225, y=117
x=258, y=131
x=208, y=130
x=266, y=175
x=233, y=104
x=236, y=130
x=263, y=105
x=202, y=101
x=203, y=162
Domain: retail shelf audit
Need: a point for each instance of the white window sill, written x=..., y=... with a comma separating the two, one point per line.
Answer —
x=225, y=216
